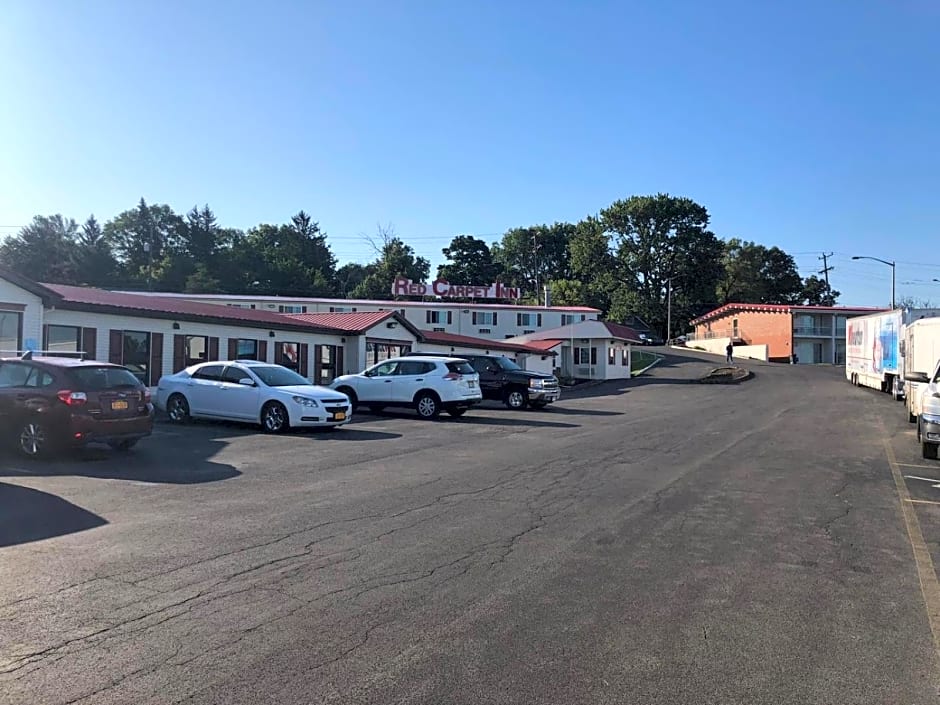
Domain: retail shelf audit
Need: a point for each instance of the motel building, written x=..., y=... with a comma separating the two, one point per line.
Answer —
x=775, y=332
x=156, y=334
x=489, y=321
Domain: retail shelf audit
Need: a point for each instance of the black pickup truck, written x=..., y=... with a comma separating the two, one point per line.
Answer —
x=503, y=380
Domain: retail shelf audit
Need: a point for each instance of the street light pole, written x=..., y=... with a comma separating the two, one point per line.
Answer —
x=893, y=271
x=668, y=310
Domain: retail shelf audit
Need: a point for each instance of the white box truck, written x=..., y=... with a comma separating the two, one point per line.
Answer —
x=921, y=350
x=873, y=348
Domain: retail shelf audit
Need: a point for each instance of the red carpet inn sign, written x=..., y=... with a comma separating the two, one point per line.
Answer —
x=446, y=290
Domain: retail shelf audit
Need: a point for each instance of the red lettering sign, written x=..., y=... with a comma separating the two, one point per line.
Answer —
x=400, y=286
x=443, y=289
x=440, y=287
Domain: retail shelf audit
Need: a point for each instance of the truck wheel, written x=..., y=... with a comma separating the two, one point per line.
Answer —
x=929, y=450
x=516, y=398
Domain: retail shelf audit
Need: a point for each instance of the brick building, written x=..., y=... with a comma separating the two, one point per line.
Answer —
x=815, y=333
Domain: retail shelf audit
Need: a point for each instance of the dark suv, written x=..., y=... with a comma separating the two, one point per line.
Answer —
x=50, y=403
x=503, y=380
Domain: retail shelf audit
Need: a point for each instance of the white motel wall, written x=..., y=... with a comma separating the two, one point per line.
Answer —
x=490, y=321
x=22, y=323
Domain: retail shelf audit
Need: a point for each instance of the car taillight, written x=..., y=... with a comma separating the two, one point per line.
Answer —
x=72, y=398
x=453, y=376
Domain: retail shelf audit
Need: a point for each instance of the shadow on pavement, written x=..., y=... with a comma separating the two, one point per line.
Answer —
x=159, y=459
x=555, y=410
x=31, y=515
x=352, y=433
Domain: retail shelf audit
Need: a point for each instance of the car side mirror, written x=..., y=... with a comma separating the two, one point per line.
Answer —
x=919, y=377
x=368, y=373
x=246, y=382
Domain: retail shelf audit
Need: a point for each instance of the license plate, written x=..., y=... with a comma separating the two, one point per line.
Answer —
x=118, y=405
x=339, y=416
x=471, y=383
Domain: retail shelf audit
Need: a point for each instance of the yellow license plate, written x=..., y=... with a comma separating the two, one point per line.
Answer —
x=118, y=405
x=339, y=416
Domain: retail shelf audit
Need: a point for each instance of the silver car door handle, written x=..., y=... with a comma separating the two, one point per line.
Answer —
x=388, y=381
x=420, y=379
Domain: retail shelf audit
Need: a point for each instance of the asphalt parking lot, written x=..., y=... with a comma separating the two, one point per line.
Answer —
x=649, y=541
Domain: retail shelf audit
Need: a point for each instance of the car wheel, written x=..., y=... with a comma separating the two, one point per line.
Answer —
x=177, y=409
x=274, y=418
x=456, y=413
x=376, y=408
x=427, y=405
x=123, y=446
x=33, y=439
x=516, y=398
x=929, y=450
x=353, y=399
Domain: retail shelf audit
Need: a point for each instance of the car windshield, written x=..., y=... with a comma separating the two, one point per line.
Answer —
x=507, y=364
x=97, y=379
x=275, y=376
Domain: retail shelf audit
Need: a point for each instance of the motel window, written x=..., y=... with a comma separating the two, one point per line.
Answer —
x=287, y=355
x=377, y=352
x=611, y=356
x=484, y=331
x=432, y=316
x=567, y=319
x=583, y=317
x=290, y=308
x=439, y=330
x=11, y=326
x=136, y=354
x=328, y=357
x=484, y=318
x=63, y=340
x=195, y=350
x=584, y=355
x=624, y=357
x=246, y=349
x=248, y=306
x=341, y=309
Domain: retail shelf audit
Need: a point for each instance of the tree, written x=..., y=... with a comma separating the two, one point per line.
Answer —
x=533, y=256
x=395, y=259
x=816, y=292
x=201, y=281
x=470, y=262
x=93, y=260
x=144, y=240
x=757, y=274
x=201, y=235
x=659, y=239
x=592, y=264
x=349, y=276
x=44, y=250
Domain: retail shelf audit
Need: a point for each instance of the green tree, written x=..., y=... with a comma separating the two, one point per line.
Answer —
x=349, y=276
x=661, y=239
x=145, y=240
x=816, y=292
x=757, y=274
x=93, y=260
x=44, y=250
x=533, y=256
x=201, y=236
x=394, y=259
x=592, y=264
x=470, y=262
x=201, y=281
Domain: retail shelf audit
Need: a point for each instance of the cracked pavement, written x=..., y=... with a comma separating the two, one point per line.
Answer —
x=644, y=542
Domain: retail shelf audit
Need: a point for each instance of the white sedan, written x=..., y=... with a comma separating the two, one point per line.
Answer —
x=255, y=392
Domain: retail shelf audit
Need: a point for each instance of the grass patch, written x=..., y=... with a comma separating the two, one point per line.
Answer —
x=640, y=360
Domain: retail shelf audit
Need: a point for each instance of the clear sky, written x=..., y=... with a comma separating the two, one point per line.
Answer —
x=809, y=125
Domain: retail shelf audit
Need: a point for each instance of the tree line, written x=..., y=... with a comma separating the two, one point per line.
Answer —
x=627, y=260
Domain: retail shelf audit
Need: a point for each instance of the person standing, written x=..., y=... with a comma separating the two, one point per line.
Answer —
x=729, y=353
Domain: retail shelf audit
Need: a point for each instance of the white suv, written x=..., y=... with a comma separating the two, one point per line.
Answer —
x=429, y=384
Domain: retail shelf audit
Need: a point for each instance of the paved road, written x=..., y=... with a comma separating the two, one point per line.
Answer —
x=653, y=542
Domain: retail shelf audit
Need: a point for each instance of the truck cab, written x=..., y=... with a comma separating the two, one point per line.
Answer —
x=924, y=406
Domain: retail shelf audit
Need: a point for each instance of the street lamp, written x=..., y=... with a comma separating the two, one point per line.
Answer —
x=893, y=269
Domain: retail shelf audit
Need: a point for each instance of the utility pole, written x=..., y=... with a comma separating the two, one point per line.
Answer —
x=535, y=256
x=826, y=268
x=668, y=310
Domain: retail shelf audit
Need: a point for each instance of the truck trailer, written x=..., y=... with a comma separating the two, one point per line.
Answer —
x=873, y=348
x=921, y=353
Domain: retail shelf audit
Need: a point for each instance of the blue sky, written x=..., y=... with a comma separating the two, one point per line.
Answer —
x=812, y=126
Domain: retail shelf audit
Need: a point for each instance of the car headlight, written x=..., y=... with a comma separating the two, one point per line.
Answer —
x=536, y=382
x=930, y=418
x=304, y=401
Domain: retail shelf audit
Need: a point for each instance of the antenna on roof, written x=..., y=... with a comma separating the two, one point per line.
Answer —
x=28, y=355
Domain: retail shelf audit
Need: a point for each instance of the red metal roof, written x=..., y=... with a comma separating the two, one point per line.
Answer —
x=544, y=345
x=81, y=297
x=618, y=330
x=482, y=343
x=349, y=322
x=782, y=308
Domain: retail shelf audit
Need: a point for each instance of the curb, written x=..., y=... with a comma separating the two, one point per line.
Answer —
x=637, y=373
x=719, y=376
